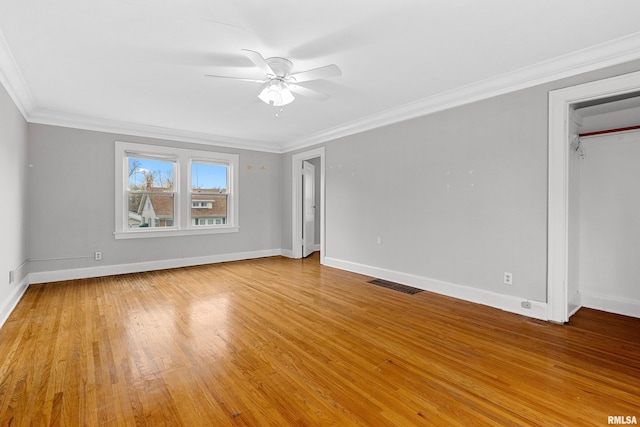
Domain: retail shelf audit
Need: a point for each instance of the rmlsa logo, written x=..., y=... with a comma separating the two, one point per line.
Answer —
x=621, y=419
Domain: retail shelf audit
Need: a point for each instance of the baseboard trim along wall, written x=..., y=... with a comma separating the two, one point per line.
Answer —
x=508, y=303
x=111, y=270
x=575, y=303
x=14, y=298
x=287, y=253
x=626, y=307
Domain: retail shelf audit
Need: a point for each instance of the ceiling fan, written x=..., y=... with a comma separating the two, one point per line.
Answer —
x=280, y=82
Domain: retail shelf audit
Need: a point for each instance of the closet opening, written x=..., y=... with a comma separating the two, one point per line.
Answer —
x=572, y=111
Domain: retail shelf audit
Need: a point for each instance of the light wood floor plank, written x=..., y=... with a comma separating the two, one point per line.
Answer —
x=278, y=342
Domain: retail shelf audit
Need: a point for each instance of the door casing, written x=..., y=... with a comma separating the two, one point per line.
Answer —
x=308, y=208
x=560, y=103
x=296, y=200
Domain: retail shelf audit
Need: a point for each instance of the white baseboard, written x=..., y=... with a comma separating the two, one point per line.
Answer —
x=575, y=303
x=508, y=303
x=14, y=297
x=110, y=270
x=287, y=253
x=624, y=306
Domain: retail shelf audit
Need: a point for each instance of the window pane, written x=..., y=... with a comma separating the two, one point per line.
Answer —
x=209, y=178
x=209, y=194
x=149, y=209
x=150, y=175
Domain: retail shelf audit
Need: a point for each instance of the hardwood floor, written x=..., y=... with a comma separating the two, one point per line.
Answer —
x=288, y=342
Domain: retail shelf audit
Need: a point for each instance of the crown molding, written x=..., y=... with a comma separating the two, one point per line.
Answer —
x=596, y=57
x=13, y=81
x=76, y=121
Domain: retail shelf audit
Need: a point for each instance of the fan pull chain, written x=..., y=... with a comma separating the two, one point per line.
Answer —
x=278, y=113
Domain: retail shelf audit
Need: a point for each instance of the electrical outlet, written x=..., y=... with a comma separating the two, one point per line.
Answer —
x=97, y=256
x=11, y=276
x=508, y=278
x=525, y=304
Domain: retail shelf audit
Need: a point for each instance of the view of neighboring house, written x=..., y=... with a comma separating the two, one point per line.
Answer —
x=209, y=208
x=156, y=208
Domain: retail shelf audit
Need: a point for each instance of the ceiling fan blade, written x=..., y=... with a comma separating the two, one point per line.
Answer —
x=237, y=78
x=259, y=61
x=309, y=93
x=317, y=73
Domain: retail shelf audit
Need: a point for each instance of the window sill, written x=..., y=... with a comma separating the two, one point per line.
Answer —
x=145, y=234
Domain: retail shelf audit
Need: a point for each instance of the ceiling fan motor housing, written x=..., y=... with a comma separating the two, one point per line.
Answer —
x=280, y=66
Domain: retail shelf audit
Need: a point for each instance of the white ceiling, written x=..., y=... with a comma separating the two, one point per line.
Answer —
x=137, y=66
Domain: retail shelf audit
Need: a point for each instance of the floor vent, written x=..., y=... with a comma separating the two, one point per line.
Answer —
x=395, y=286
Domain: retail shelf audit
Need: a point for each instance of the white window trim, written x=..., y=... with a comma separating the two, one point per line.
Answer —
x=182, y=215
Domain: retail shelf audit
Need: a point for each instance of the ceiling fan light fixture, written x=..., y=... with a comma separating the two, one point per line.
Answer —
x=277, y=94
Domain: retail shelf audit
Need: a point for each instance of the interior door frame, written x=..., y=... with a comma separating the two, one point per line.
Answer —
x=560, y=104
x=296, y=200
x=308, y=195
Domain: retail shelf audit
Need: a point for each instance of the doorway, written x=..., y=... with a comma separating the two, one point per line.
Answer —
x=561, y=135
x=609, y=209
x=309, y=207
x=298, y=214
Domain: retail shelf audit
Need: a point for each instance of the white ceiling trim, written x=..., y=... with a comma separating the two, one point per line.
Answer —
x=125, y=128
x=12, y=80
x=599, y=56
x=593, y=58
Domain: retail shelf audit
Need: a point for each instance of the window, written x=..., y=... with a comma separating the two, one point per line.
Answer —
x=165, y=191
x=209, y=221
x=202, y=205
x=150, y=191
x=209, y=198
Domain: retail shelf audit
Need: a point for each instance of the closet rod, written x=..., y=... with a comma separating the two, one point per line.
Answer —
x=602, y=132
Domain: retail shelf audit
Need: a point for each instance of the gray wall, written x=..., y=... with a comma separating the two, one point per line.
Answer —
x=286, y=187
x=458, y=196
x=13, y=211
x=72, y=195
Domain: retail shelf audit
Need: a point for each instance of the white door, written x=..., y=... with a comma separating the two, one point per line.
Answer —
x=308, y=208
